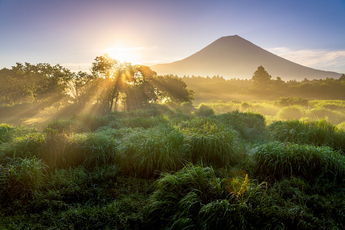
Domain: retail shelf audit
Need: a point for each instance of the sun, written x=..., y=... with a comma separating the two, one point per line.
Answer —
x=124, y=53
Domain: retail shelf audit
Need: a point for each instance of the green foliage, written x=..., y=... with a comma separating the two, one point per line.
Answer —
x=248, y=125
x=211, y=143
x=6, y=133
x=261, y=79
x=186, y=107
x=204, y=111
x=173, y=89
x=20, y=179
x=89, y=150
x=245, y=106
x=88, y=171
x=322, y=113
x=195, y=198
x=317, y=133
x=291, y=101
x=278, y=160
x=23, y=146
x=146, y=153
x=290, y=113
x=179, y=197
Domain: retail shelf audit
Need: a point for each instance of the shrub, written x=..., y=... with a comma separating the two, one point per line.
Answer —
x=178, y=198
x=204, y=111
x=291, y=101
x=89, y=150
x=281, y=160
x=317, y=133
x=195, y=198
x=20, y=179
x=249, y=125
x=331, y=116
x=146, y=153
x=290, y=113
x=6, y=133
x=186, y=107
x=245, y=106
x=25, y=146
x=211, y=142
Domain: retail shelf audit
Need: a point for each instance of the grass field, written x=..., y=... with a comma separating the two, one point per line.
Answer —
x=237, y=165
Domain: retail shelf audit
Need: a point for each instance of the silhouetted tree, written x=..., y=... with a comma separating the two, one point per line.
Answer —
x=261, y=79
x=41, y=83
x=342, y=77
x=172, y=89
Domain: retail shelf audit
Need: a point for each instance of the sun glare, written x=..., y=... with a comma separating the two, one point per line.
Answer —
x=124, y=53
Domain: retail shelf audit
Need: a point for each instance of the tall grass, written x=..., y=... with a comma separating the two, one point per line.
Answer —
x=204, y=111
x=210, y=142
x=88, y=149
x=24, y=146
x=20, y=179
x=290, y=113
x=195, y=198
x=278, y=160
x=249, y=125
x=146, y=153
x=319, y=133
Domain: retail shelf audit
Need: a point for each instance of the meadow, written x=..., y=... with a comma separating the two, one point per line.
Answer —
x=220, y=165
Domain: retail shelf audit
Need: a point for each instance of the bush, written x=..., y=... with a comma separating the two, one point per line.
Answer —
x=6, y=133
x=331, y=116
x=282, y=160
x=211, y=142
x=89, y=150
x=319, y=133
x=245, y=106
x=178, y=198
x=25, y=147
x=290, y=113
x=291, y=101
x=20, y=179
x=146, y=153
x=195, y=198
x=204, y=111
x=186, y=107
x=248, y=125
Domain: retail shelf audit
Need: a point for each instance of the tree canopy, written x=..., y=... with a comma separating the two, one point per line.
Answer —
x=109, y=83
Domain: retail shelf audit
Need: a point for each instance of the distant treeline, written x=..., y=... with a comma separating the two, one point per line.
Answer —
x=262, y=86
x=112, y=84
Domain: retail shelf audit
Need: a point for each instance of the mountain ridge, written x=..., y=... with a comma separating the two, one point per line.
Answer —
x=236, y=57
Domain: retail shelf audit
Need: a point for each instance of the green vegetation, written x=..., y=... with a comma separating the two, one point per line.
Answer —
x=160, y=168
x=113, y=157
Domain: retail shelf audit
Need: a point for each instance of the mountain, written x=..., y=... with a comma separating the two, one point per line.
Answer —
x=235, y=57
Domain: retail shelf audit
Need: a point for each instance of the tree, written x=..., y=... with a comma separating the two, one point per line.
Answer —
x=173, y=89
x=118, y=80
x=81, y=88
x=261, y=79
x=135, y=85
x=40, y=84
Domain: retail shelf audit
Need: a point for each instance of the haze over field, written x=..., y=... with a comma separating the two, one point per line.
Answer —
x=73, y=33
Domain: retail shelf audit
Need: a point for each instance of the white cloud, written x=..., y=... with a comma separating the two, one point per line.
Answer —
x=319, y=59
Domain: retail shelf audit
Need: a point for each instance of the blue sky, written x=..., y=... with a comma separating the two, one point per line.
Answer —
x=73, y=32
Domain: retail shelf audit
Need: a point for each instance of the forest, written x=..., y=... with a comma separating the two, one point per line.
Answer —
x=124, y=148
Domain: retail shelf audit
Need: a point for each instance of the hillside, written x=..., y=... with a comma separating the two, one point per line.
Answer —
x=235, y=57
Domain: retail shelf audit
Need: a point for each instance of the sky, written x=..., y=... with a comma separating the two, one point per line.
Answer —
x=73, y=33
